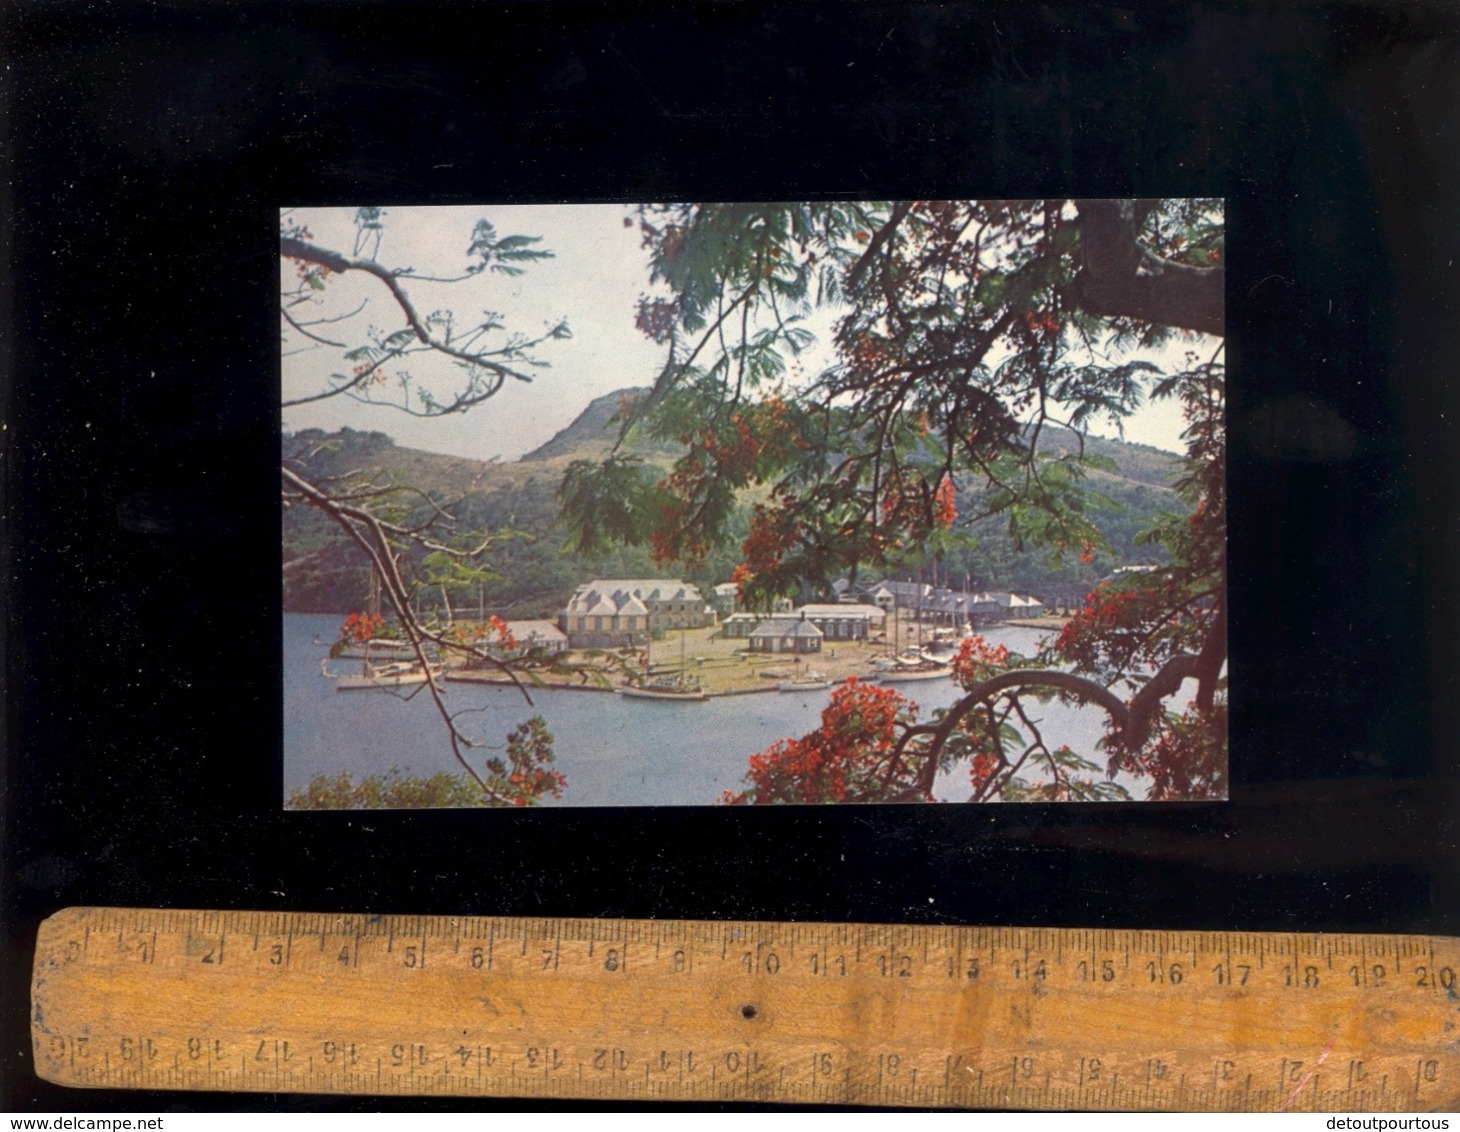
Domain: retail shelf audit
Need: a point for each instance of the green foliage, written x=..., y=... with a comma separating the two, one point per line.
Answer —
x=603, y=505
x=390, y=791
x=957, y=345
x=1075, y=779
x=968, y=334
x=965, y=329
x=533, y=571
x=501, y=254
x=522, y=779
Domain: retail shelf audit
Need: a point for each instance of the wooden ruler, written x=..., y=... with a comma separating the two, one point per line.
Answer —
x=707, y=1011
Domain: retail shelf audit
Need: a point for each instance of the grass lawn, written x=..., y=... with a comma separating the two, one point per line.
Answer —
x=725, y=665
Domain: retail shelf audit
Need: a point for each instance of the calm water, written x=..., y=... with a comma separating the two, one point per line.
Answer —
x=614, y=752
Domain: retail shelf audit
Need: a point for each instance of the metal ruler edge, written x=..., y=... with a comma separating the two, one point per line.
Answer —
x=712, y=1011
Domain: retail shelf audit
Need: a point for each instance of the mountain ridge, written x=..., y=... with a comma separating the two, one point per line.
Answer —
x=591, y=434
x=517, y=500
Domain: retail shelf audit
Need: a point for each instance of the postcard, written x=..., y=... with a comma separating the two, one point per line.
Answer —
x=806, y=502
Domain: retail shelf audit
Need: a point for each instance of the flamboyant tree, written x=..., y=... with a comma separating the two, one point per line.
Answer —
x=963, y=330
x=424, y=363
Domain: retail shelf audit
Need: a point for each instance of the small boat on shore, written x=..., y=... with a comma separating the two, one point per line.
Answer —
x=379, y=648
x=665, y=688
x=809, y=682
x=398, y=674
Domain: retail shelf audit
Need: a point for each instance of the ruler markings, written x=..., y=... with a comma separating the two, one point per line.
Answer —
x=856, y=1013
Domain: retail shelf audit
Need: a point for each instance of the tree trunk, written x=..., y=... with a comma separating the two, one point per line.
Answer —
x=1118, y=277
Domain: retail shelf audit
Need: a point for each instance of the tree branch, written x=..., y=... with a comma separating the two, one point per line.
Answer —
x=882, y=235
x=293, y=248
x=1119, y=277
x=1086, y=689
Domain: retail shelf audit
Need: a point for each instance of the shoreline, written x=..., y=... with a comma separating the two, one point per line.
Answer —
x=460, y=677
x=724, y=665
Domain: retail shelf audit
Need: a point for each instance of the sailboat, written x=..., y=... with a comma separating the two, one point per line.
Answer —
x=385, y=663
x=670, y=686
x=912, y=664
x=906, y=669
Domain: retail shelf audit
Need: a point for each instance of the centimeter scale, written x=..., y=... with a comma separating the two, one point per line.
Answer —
x=709, y=1011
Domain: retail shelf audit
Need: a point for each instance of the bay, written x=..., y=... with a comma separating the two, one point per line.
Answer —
x=614, y=752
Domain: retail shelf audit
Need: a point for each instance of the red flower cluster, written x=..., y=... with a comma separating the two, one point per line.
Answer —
x=504, y=634
x=845, y=760
x=361, y=627
x=736, y=457
x=975, y=661
x=984, y=766
x=1143, y=624
x=747, y=446
x=910, y=508
x=945, y=504
x=536, y=783
x=1109, y=616
x=742, y=576
x=1185, y=757
x=494, y=630
x=773, y=533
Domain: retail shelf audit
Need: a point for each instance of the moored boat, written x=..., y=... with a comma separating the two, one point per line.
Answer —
x=665, y=688
x=379, y=648
x=400, y=674
x=907, y=670
x=808, y=682
x=908, y=658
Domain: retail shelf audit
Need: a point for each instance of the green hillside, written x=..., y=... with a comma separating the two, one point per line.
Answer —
x=517, y=501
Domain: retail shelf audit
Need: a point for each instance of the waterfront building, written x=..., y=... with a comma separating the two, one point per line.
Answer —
x=620, y=612
x=786, y=634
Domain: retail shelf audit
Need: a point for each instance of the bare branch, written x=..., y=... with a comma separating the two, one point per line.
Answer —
x=300, y=327
x=372, y=535
x=293, y=248
x=1079, y=686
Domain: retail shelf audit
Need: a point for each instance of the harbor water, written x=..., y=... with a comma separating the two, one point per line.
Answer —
x=613, y=751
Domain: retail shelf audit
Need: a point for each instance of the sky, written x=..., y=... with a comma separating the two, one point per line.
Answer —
x=594, y=280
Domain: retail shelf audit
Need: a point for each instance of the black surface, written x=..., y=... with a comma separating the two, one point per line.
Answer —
x=149, y=147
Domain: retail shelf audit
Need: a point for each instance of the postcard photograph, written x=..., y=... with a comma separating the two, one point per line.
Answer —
x=752, y=503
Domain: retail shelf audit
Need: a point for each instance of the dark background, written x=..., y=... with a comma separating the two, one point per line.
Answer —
x=148, y=149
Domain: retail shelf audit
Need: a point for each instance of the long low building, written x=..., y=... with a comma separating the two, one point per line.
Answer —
x=845, y=621
x=543, y=636
x=943, y=606
x=620, y=612
x=538, y=635
x=785, y=634
x=837, y=621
